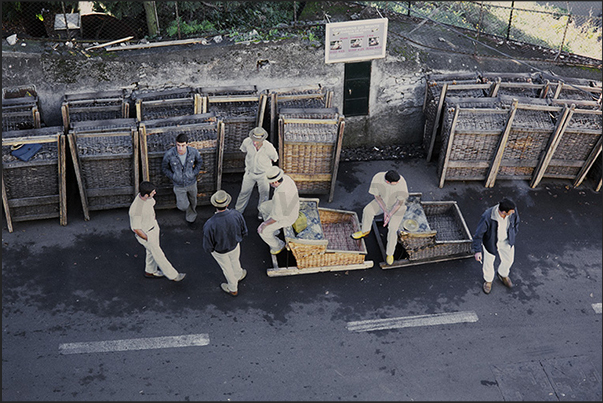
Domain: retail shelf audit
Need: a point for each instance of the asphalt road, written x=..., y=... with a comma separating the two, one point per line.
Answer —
x=291, y=338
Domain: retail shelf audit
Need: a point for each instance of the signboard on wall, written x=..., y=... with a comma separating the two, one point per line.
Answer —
x=355, y=40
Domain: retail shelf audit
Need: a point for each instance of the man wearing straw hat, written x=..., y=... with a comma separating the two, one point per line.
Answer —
x=222, y=235
x=281, y=211
x=182, y=165
x=259, y=156
x=146, y=229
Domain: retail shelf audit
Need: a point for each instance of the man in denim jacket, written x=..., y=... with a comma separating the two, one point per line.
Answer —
x=495, y=235
x=182, y=164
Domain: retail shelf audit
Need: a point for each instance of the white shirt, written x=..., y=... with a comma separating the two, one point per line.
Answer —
x=142, y=214
x=258, y=161
x=285, y=202
x=503, y=224
x=388, y=191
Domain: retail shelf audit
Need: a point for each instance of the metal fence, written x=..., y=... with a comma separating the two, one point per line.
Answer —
x=554, y=30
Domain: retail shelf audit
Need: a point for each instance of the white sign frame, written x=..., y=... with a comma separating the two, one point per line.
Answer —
x=355, y=40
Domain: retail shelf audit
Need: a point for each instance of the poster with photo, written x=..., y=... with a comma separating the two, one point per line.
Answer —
x=355, y=40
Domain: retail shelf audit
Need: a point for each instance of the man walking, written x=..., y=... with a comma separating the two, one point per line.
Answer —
x=390, y=194
x=222, y=235
x=182, y=164
x=259, y=156
x=495, y=235
x=146, y=228
x=279, y=212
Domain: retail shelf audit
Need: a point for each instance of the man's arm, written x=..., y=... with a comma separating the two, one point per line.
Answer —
x=478, y=236
x=165, y=166
x=198, y=162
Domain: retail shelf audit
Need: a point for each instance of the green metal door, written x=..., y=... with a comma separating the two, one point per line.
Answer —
x=356, y=88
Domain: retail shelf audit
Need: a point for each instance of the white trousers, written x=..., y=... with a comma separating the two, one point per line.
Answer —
x=231, y=267
x=269, y=234
x=249, y=182
x=155, y=256
x=368, y=215
x=506, y=254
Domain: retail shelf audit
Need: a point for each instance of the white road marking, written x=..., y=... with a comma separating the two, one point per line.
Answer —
x=412, y=321
x=597, y=307
x=149, y=343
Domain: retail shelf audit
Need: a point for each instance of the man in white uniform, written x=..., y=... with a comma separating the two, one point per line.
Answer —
x=259, y=156
x=281, y=211
x=146, y=228
x=390, y=192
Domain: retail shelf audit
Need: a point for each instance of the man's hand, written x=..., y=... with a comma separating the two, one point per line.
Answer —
x=478, y=257
x=261, y=227
x=386, y=218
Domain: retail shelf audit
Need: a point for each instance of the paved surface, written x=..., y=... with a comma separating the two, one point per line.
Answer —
x=287, y=338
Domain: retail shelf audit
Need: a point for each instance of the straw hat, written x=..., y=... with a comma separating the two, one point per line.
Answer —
x=220, y=199
x=274, y=174
x=258, y=134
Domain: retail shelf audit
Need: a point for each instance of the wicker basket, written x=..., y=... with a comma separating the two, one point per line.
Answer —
x=241, y=110
x=205, y=133
x=452, y=235
x=334, y=246
x=20, y=113
x=34, y=189
x=106, y=160
x=101, y=105
x=154, y=104
x=309, y=148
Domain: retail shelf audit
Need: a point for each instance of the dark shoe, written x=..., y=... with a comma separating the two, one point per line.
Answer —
x=192, y=225
x=157, y=274
x=506, y=281
x=244, y=275
x=224, y=287
x=179, y=277
x=487, y=287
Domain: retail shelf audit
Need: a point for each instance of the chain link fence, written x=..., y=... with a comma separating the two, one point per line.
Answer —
x=554, y=31
x=546, y=27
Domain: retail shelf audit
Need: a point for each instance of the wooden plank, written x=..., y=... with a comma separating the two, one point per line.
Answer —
x=157, y=44
x=136, y=162
x=273, y=120
x=233, y=98
x=104, y=192
x=10, y=141
x=436, y=122
x=9, y=221
x=290, y=271
x=449, y=147
x=468, y=164
x=554, y=140
x=311, y=121
x=310, y=177
x=335, y=168
x=62, y=166
x=32, y=217
x=220, y=155
x=592, y=157
x=406, y=262
x=493, y=171
x=34, y=201
x=115, y=42
x=281, y=141
x=78, y=175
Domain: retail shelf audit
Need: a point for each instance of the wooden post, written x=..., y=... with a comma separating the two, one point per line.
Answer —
x=62, y=180
x=261, y=110
x=281, y=136
x=144, y=152
x=220, y=154
x=65, y=113
x=552, y=146
x=336, y=159
x=78, y=175
x=135, y=143
x=436, y=122
x=495, y=87
x=493, y=171
x=9, y=221
x=139, y=110
x=273, y=116
x=588, y=163
x=449, y=147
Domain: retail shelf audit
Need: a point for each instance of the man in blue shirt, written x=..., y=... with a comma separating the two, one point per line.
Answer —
x=182, y=164
x=222, y=235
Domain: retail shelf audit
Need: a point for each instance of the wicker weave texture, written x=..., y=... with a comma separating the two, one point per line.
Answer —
x=31, y=181
x=451, y=238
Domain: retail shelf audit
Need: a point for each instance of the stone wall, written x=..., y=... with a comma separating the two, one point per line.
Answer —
x=396, y=94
